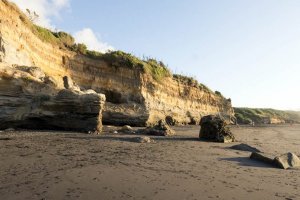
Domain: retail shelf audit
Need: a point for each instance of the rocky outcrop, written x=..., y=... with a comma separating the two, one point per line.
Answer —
x=214, y=128
x=133, y=96
x=27, y=101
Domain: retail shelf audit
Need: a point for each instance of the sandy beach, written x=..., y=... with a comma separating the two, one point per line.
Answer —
x=63, y=165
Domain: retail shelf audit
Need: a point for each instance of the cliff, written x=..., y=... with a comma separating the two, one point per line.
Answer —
x=136, y=91
x=265, y=116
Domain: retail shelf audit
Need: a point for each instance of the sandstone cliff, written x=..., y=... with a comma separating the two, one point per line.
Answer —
x=134, y=96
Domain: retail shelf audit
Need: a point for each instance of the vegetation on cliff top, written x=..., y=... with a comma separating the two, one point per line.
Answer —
x=262, y=116
x=190, y=81
x=117, y=59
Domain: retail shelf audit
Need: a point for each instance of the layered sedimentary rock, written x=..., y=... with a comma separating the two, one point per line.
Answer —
x=133, y=97
x=34, y=102
x=181, y=103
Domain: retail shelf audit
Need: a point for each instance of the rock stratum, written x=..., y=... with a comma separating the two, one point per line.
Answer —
x=134, y=95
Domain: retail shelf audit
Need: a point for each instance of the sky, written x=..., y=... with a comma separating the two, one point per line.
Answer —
x=248, y=50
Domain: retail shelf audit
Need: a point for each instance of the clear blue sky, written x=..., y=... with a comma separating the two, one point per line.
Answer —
x=247, y=49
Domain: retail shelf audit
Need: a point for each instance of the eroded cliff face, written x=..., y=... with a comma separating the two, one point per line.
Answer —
x=179, y=103
x=133, y=97
x=29, y=99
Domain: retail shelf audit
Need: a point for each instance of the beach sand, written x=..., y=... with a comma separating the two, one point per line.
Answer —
x=59, y=165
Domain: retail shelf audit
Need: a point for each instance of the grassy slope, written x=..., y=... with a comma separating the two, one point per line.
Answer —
x=246, y=115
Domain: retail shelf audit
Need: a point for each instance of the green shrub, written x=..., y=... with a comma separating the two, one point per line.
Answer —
x=122, y=59
x=218, y=93
x=204, y=87
x=94, y=54
x=191, y=82
x=186, y=80
x=79, y=48
x=157, y=69
x=66, y=39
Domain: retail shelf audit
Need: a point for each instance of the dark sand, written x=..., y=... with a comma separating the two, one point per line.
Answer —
x=58, y=165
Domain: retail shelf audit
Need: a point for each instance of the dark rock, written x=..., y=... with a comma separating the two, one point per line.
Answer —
x=5, y=138
x=161, y=129
x=2, y=49
x=170, y=121
x=214, y=128
x=71, y=85
x=68, y=83
x=286, y=161
x=143, y=139
x=244, y=147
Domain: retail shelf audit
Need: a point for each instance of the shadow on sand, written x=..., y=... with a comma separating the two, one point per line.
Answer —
x=247, y=162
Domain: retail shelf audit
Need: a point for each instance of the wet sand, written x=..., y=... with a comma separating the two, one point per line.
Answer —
x=59, y=165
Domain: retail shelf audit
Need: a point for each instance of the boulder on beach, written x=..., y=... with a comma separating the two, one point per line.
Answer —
x=127, y=130
x=286, y=161
x=214, y=128
x=144, y=139
x=161, y=129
